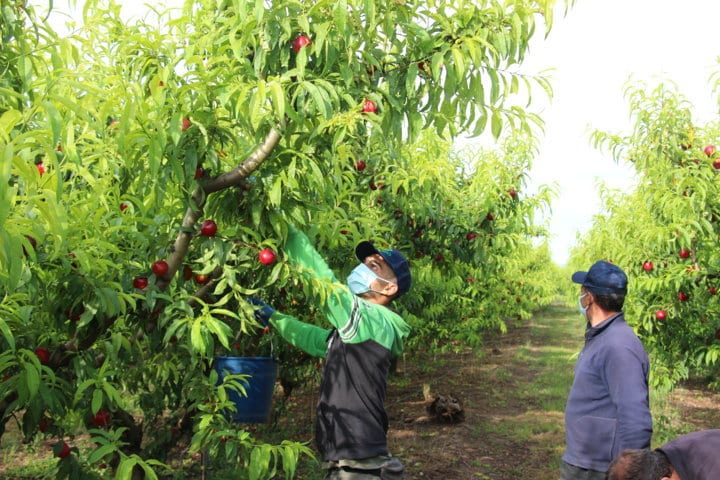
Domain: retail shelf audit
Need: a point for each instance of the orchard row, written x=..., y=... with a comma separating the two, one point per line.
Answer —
x=664, y=234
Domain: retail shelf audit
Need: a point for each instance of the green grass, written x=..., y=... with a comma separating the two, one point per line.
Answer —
x=42, y=466
x=556, y=339
x=530, y=400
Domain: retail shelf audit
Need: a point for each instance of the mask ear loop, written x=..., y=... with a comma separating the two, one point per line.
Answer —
x=386, y=281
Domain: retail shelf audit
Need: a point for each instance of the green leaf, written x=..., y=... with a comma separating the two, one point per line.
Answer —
x=221, y=330
x=32, y=380
x=196, y=337
x=319, y=96
x=340, y=15
x=278, y=99
x=275, y=193
x=290, y=459
x=8, y=120
x=497, y=123
x=6, y=193
x=56, y=121
x=149, y=472
x=7, y=333
x=124, y=471
x=222, y=311
x=369, y=10
x=259, y=10
x=494, y=86
x=277, y=269
x=259, y=461
x=97, y=401
x=112, y=393
x=320, y=33
x=101, y=452
x=458, y=62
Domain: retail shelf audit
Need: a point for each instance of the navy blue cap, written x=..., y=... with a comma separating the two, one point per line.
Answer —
x=397, y=261
x=603, y=278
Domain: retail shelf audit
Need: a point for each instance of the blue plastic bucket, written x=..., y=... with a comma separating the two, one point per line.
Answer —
x=255, y=407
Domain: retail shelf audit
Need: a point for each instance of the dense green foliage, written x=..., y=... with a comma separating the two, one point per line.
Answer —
x=118, y=142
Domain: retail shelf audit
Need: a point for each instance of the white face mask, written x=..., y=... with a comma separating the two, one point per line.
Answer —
x=582, y=309
x=361, y=278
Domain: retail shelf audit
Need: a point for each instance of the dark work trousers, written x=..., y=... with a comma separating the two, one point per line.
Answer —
x=571, y=472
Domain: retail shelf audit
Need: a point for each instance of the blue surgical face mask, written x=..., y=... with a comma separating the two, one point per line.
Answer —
x=360, y=279
x=582, y=309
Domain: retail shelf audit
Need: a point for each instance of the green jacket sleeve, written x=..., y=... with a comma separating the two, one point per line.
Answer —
x=302, y=252
x=339, y=300
x=305, y=336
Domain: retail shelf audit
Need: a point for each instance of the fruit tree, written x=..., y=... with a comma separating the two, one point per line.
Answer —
x=150, y=170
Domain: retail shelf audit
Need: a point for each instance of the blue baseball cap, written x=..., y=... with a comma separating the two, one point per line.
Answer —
x=603, y=278
x=397, y=261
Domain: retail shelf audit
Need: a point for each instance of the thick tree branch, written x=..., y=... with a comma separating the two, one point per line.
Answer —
x=192, y=215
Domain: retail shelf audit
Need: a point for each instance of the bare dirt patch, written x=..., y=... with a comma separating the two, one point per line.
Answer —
x=696, y=405
x=486, y=444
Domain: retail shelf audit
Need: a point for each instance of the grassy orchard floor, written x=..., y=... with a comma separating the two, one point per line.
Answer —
x=513, y=392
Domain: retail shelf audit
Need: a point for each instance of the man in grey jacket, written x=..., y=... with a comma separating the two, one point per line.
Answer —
x=608, y=409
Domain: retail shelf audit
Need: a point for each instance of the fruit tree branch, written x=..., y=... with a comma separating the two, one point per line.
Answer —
x=232, y=178
x=238, y=174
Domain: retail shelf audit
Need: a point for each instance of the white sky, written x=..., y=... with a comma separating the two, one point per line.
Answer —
x=595, y=49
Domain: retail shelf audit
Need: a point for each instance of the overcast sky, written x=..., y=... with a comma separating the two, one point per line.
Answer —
x=595, y=50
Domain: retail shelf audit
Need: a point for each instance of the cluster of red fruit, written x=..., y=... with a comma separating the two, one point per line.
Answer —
x=710, y=151
x=208, y=228
x=101, y=419
x=369, y=106
x=62, y=450
x=43, y=355
x=300, y=42
x=267, y=256
x=684, y=253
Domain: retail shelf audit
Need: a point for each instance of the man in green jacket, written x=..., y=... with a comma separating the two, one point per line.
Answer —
x=351, y=425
